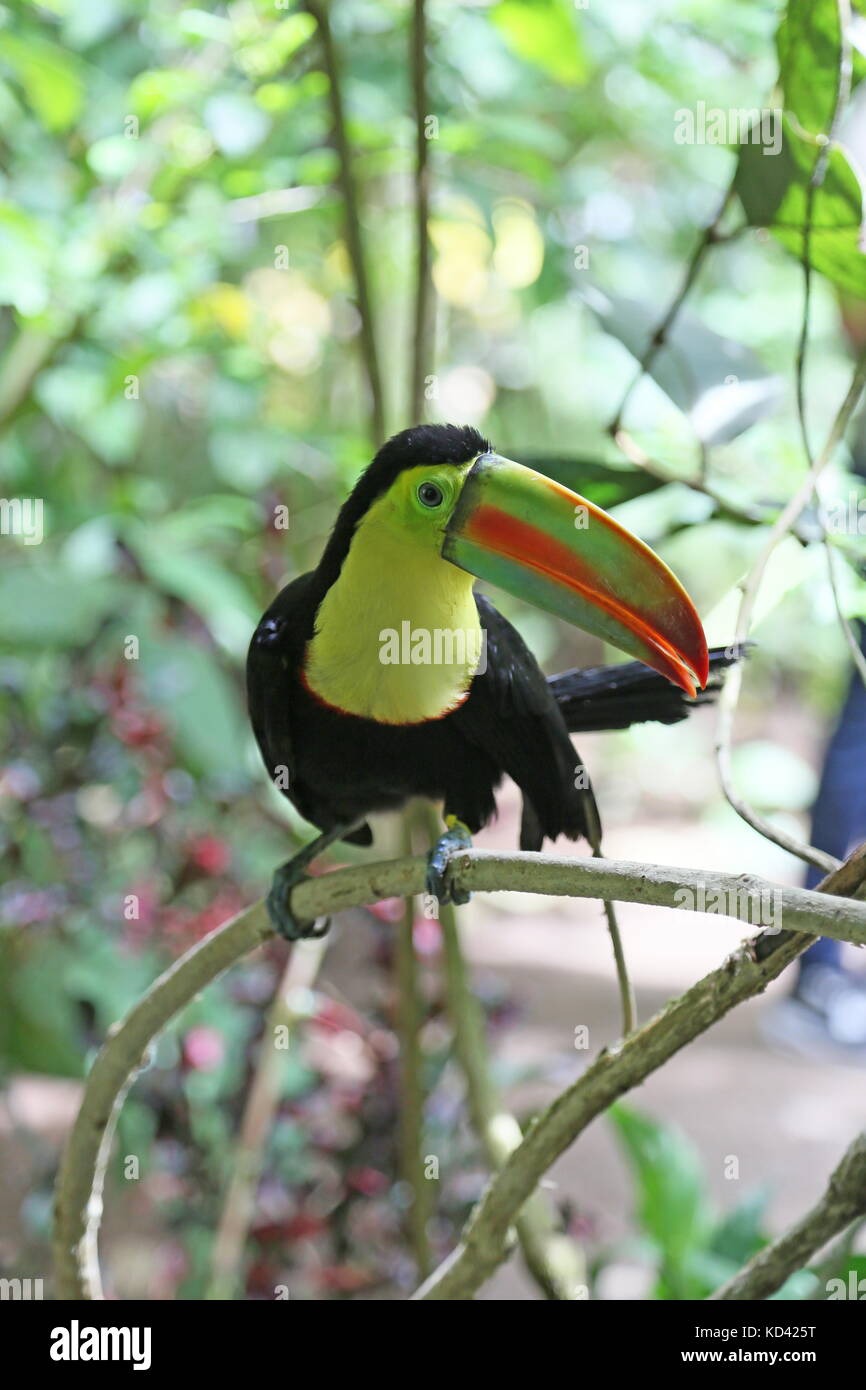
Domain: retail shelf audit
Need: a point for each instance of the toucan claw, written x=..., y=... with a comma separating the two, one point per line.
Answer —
x=456, y=838
x=278, y=902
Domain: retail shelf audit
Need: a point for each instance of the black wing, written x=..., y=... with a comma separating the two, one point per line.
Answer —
x=275, y=655
x=275, y=650
x=511, y=713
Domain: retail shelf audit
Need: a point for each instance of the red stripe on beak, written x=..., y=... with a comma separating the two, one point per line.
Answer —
x=535, y=549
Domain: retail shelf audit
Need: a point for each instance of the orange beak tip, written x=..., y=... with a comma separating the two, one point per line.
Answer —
x=681, y=676
x=703, y=672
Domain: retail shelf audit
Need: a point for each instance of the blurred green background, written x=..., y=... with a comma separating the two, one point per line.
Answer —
x=179, y=359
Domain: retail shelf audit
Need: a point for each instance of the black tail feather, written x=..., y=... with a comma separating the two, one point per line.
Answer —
x=615, y=697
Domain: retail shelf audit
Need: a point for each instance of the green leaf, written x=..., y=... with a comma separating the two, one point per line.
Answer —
x=672, y=1203
x=544, y=34
x=198, y=700
x=197, y=578
x=268, y=55
x=721, y=385
x=49, y=605
x=160, y=89
x=50, y=77
x=774, y=193
x=38, y=1021
x=605, y=484
x=739, y=1235
x=808, y=42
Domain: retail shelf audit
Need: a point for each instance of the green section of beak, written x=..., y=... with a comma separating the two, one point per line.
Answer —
x=545, y=544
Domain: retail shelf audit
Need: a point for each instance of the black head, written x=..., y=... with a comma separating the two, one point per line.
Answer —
x=412, y=448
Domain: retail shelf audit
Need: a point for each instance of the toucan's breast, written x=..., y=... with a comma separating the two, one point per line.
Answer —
x=397, y=636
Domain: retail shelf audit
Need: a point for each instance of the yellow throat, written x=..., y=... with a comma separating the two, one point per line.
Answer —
x=397, y=636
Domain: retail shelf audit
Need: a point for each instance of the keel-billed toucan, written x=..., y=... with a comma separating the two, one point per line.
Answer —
x=381, y=675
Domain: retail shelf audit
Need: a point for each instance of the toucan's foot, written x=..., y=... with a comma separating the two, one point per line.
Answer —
x=278, y=903
x=456, y=838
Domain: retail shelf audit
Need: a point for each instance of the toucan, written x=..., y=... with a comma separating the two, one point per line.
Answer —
x=381, y=675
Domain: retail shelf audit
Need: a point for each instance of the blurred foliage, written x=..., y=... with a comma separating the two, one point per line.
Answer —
x=179, y=361
x=690, y=1248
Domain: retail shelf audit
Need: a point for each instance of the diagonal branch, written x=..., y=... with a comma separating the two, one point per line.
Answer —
x=843, y=1202
x=659, y=337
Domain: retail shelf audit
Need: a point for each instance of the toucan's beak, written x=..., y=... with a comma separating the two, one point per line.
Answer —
x=543, y=543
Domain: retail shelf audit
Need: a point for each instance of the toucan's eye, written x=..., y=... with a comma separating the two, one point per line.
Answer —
x=430, y=494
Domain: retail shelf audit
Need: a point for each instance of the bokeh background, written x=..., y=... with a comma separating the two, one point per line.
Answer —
x=179, y=359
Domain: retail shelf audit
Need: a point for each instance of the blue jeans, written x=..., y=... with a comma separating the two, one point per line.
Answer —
x=839, y=813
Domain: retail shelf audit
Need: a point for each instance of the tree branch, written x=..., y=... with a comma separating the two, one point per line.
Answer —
x=410, y=1015
x=745, y=973
x=627, y=999
x=421, y=346
x=554, y=1260
x=354, y=240
x=730, y=694
x=258, y=1119
x=80, y=1181
x=843, y=1202
x=749, y=513
x=81, y=1178
x=659, y=337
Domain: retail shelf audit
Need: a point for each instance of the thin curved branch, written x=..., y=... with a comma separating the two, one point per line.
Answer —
x=750, y=513
x=81, y=1178
x=659, y=337
x=847, y=631
x=80, y=1181
x=627, y=999
x=730, y=694
x=843, y=94
x=843, y=1202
